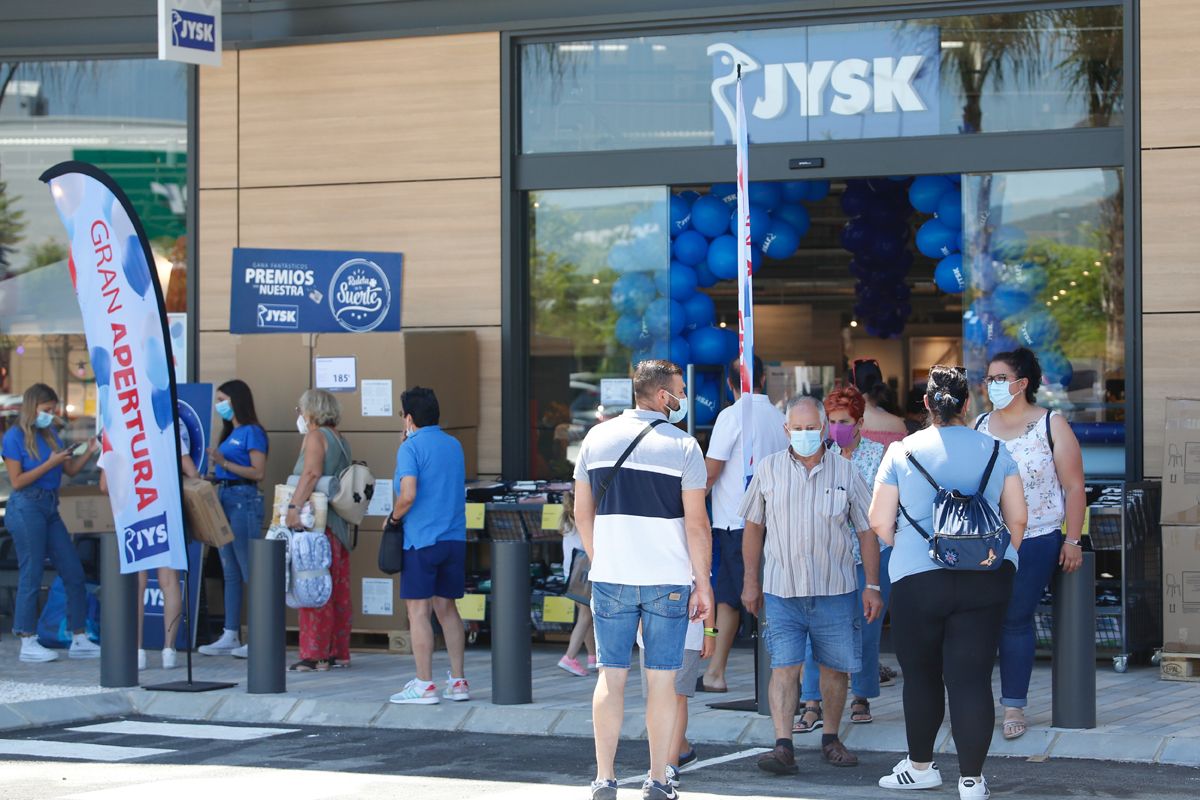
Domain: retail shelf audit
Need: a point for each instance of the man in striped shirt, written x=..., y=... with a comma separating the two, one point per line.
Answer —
x=651, y=549
x=806, y=497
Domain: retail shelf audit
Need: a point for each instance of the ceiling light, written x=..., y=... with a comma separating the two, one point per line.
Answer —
x=1086, y=273
x=1062, y=291
x=1073, y=283
x=596, y=281
x=853, y=323
x=722, y=324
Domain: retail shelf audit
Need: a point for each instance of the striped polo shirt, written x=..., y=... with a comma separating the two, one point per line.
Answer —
x=638, y=536
x=809, y=548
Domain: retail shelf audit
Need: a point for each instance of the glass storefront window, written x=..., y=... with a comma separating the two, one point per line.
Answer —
x=600, y=300
x=128, y=117
x=1044, y=255
x=1049, y=69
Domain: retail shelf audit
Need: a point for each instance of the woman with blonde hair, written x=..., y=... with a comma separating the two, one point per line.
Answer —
x=36, y=460
x=582, y=634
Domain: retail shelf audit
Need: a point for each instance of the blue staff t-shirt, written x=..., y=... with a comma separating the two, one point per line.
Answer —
x=237, y=447
x=14, y=448
x=439, y=512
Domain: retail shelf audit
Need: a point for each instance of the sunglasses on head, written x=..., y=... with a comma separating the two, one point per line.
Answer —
x=956, y=368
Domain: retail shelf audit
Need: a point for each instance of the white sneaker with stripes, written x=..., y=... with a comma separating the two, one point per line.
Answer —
x=905, y=776
x=971, y=788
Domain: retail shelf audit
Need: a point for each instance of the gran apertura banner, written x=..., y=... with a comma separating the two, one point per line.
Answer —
x=126, y=328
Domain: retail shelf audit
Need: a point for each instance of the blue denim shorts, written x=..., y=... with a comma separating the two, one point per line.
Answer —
x=832, y=623
x=663, y=613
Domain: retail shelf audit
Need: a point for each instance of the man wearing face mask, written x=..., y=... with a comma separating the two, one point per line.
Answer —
x=807, y=496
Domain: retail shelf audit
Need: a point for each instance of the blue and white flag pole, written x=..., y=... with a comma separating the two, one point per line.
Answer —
x=745, y=287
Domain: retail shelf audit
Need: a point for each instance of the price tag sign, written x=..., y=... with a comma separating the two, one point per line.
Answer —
x=339, y=374
x=472, y=607
x=475, y=513
x=552, y=514
x=558, y=609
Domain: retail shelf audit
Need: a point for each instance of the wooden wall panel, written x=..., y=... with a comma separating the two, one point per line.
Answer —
x=1170, y=92
x=217, y=238
x=396, y=109
x=1170, y=219
x=448, y=231
x=218, y=357
x=219, y=123
x=1169, y=346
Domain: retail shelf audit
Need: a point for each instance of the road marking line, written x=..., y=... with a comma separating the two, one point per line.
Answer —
x=708, y=762
x=42, y=748
x=227, y=733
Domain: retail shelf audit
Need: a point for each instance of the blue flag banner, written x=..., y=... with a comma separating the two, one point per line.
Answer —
x=314, y=291
x=125, y=324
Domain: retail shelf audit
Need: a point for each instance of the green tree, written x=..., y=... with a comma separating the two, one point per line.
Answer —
x=12, y=227
x=49, y=251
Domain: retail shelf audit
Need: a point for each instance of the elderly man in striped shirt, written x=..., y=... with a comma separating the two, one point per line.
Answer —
x=807, y=497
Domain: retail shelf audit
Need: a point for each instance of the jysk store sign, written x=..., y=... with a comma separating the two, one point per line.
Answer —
x=190, y=31
x=314, y=291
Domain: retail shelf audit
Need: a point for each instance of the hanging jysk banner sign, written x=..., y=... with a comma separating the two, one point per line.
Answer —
x=839, y=82
x=125, y=324
x=314, y=291
x=190, y=31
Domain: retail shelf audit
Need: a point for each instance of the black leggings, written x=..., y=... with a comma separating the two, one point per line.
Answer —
x=946, y=628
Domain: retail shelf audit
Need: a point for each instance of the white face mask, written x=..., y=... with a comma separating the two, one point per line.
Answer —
x=302, y=425
x=1000, y=394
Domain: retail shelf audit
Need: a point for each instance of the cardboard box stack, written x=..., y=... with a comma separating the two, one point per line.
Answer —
x=1181, y=541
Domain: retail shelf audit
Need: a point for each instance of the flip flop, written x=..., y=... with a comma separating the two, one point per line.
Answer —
x=702, y=687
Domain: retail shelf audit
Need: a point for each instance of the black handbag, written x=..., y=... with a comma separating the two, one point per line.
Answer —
x=391, y=547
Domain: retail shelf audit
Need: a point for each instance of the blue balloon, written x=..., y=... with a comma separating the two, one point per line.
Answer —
x=101, y=366
x=979, y=324
x=137, y=271
x=926, y=192
x=781, y=240
x=856, y=235
x=1010, y=301
x=796, y=215
x=795, y=191
x=164, y=409
x=699, y=311
x=950, y=276
x=818, y=190
x=885, y=248
x=632, y=292
x=681, y=215
x=760, y=220
x=1023, y=276
x=631, y=332
x=723, y=257
x=679, y=351
x=765, y=194
x=1056, y=368
x=706, y=398
x=690, y=196
x=704, y=277
x=665, y=317
x=620, y=257
x=708, y=345
x=949, y=210
x=710, y=216
x=732, y=348
x=855, y=198
x=681, y=282
x=1009, y=242
x=1039, y=331
x=726, y=192
x=158, y=370
x=662, y=281
x=690, y=248
x=936, y=240
x=1001, y=342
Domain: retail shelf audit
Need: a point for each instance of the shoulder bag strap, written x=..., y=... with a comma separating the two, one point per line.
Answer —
x=982, y=417
x=915, y=525
x=987, y=473
x=607, y=481
x=1049, y=434
x=913, y=460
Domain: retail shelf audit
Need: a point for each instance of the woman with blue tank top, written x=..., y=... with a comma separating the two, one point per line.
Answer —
x=1048, y=456
x=945, y=622
x=36, y=460
x=240, y=462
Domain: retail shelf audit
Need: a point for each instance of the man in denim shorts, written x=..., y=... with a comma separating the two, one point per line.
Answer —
x=806, y=496
x=649, y=540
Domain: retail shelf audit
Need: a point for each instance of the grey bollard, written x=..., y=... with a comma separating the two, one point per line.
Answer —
x=1074, y=660
x=512, y=650
x=762, y=664
x=266, y=626
x=118, y=618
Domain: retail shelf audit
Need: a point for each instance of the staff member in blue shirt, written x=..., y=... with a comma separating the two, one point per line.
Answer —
x=36, y=459
x=241, y=462
x=428, y=485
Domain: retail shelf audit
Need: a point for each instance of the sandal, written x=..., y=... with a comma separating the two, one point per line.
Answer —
x=810, y=719
x=836, y=754
x=887, y=675
x=335, y=664
x=309, y=665
x=863, y=716
x=1014, y=728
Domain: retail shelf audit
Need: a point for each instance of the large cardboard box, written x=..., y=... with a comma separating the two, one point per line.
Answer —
x=205, y=517
x=277, y=367
x=1181, y=589
x=85, y=509
x=1181, y=463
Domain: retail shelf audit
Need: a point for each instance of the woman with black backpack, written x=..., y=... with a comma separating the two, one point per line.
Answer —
x=961, y=509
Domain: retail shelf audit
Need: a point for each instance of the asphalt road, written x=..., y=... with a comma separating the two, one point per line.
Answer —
x=126, y=760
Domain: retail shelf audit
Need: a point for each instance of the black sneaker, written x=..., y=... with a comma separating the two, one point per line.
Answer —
x=653, y=790
x=673, y=776
x=604, y=790
x=688, y=757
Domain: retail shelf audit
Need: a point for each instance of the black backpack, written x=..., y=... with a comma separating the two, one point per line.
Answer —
x=968, y=531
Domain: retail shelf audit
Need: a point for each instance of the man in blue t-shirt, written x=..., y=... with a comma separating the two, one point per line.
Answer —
x=430, y=502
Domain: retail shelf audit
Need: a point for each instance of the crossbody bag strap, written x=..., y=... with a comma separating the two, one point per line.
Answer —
x=608, y=480
x=987, y=473
x=915, y=525
x=913, y=460
x=1049, y=434
x=982, y=417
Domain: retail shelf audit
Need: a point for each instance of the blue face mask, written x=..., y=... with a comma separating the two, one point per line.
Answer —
x=44, y=419
x=224, y=410
x=1000, y=394
x=806, y=443
x=676, y=415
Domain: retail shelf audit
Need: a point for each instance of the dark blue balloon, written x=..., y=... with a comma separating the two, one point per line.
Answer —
x=704, y=277
x=949, y=210
x=855, y=198
x=781, y=240
x=137, y=271
x=690, y=196
x=690, y=248
x=101, y=366
x=795, y=191
x=706, y=398
x=710, y=216
x=760, y=220
x=1001, y=342
x=679, y=351
x=950, y=276
x=699, y=311
x=681, y=281
x=665, y=318
x=1009, y=242
x=818, y=190
x=1056, y=368
x=662, y=281
x=926, y=192
x=723, y=257
x=796, y=215
x=164, y=409
x=766, y=194
x=631, y=332
x=884, y=248
x=727, y=192
x=1024, y=276
x=856, y=235
x=936, y=240
x=1039, y=331
x=1010, y=301
x=732, y=348
x=681, y=215
x=632, y=292
x=708, y=345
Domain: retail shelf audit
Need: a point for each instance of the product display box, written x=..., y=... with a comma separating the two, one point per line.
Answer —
x=1181, y=463
x=205, y=517
x=1181, y=589
x=85, y=509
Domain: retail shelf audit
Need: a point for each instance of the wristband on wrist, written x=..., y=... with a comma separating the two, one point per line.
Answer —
x=710, y=632
x=874, y=586
x=1073, y=542
x=291, y=506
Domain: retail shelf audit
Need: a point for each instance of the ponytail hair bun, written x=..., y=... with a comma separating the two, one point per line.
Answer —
x=947, y=393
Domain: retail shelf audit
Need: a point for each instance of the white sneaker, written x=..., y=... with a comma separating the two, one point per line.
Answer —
x=170, y=658
x=221, y=647
x=83, y=647
x=456, y=689
x=33, y=652
x=416, y=692
x=241, y=652
x=973, y=788
x=141, y=659
x=905, y=776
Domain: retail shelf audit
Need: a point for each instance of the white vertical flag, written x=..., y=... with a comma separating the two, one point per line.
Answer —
x=745, y=288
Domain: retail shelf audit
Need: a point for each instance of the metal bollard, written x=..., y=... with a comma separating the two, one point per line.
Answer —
x=118, y=618
x=268, y=642
x=512, y=671
x=1074, y=660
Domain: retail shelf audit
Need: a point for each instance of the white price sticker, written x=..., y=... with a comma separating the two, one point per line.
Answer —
x=337, y=374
